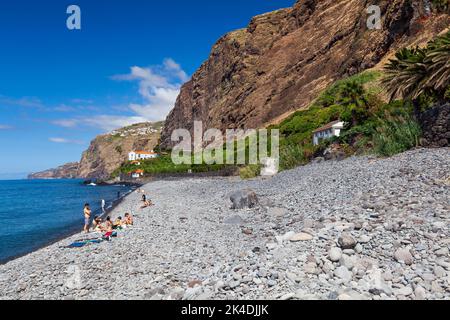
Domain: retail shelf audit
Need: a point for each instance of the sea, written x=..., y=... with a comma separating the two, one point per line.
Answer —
x=36, y=213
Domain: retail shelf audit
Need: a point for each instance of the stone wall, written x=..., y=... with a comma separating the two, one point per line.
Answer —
x=435, y=125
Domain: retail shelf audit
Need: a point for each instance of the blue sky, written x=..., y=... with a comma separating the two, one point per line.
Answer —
x=61, y=88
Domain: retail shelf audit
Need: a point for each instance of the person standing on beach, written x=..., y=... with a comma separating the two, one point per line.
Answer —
x=87, y=217
x=103, y=205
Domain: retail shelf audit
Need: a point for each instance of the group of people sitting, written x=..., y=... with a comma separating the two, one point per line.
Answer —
x=109, y=226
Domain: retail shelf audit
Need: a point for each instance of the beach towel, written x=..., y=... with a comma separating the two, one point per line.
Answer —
x=110, y=235
x=94, y=241
x=82, y=243
x=77, y=245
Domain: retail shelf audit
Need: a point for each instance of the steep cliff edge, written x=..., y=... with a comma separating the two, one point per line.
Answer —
x=66, y=171
x=107, y=152
x=283, y=59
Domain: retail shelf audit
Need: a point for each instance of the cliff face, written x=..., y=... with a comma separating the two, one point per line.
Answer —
x=66, y=171
x=283, y=59
x=107, y=152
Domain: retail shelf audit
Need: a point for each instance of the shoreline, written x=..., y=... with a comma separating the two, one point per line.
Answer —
x=135, y=185
x=73, y=230
x=358, y=229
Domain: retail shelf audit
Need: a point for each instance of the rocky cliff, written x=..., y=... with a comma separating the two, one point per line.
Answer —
x=435, y=124
x=283, y=59
x=107, y=152
x=66, y=171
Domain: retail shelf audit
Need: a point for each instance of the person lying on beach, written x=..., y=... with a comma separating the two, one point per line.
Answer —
x=87, y=217
x=147, y=203
x=128, y=221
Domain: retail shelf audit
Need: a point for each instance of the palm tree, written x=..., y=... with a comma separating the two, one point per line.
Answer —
x=417, y=71
x=405, y=76
x=438, y=62
x=352, y=93
x=353, y=97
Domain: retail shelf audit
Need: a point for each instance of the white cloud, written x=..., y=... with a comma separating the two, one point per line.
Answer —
x=159, y=87
x=174, y=67
x=82, y=101
x=58, y=140
x=5, y=127
x=66, y=123
x=110, y=123
x=63, y=108
x=21, y=102
x=63, y=140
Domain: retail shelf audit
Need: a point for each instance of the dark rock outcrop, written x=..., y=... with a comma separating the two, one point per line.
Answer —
x=283, y=59
x=435, y=125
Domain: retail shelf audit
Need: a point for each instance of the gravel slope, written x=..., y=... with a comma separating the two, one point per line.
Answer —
x=363, y=228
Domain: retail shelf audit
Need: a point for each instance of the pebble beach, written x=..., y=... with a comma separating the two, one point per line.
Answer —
x=363, y=228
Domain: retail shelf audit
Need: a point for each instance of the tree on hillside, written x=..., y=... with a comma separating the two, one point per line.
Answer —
x=438, y=63
x=353, y=97
x=419, y=72
x=406, y=75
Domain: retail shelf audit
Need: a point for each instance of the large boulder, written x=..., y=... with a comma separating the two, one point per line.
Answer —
x=334, y=152
x=346, y=241
x=244, y=199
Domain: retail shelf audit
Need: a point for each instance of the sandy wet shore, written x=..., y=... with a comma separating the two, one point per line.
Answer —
x=392, y=214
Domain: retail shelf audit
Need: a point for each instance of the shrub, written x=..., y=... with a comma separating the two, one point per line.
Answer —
x=396, y=135
x=292, y=156
x=250, y=171
x=441, y=5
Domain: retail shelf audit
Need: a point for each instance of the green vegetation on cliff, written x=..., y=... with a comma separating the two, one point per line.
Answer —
x=415, y=80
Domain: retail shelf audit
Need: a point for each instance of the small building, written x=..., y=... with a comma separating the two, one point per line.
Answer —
x=328, y=131
x=141, y=155
x=137, y=174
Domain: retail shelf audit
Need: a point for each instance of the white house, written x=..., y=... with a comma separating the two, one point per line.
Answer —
x=137, y=174
x=141, y=155
x=330, y=130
